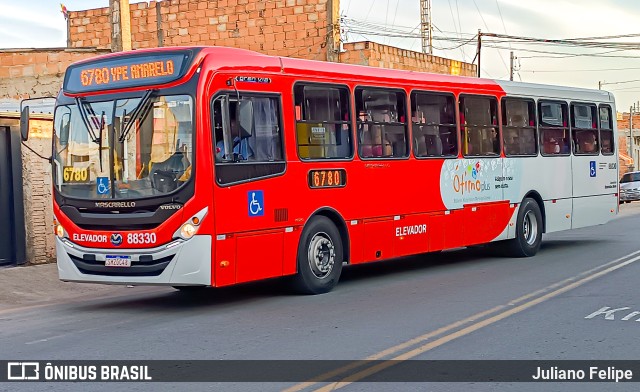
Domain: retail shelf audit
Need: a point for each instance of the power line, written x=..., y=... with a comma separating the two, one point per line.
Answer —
x=578, y=70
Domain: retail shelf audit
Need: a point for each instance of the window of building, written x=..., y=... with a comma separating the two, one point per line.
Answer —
x=247, y=134
x=607, y=138
x=479, y=126
x=554, y=128
x=519, y=127
x=433, y=125
x=382, y=123
x=584, y=126
x=323, y=123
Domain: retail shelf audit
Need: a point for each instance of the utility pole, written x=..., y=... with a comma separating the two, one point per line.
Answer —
x=479, y=48
x=159, y=24
x=631, y=110
x=120, y=25
x=426, y=29
x=511, y=66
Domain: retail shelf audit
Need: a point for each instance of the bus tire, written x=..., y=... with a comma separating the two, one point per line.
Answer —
x=320, y=257
x=528, y=231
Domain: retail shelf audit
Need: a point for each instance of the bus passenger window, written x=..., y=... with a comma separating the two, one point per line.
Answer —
x=247, y=136
x=606, y=131
x=323, y=122
x=554, y=130
x=518, y=125
x=382, y=131
x=479, y=126
x=584, y=126
x=433, y=125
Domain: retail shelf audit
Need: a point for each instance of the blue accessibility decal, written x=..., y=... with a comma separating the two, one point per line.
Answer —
x=592, y=168
x=102, y=185
x=256, y=203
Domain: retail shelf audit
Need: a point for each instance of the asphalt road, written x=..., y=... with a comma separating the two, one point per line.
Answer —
x=462, y=304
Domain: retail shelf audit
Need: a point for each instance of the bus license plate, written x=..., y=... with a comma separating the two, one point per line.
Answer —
x=117, y=261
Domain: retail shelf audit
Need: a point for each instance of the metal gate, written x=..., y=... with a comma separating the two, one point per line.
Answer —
x=12, y=231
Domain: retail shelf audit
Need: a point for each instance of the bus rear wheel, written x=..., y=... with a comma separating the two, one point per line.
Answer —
x=528, y=231
x=319, y=257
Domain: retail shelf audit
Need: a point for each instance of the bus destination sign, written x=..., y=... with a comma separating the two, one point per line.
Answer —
x=121, y=72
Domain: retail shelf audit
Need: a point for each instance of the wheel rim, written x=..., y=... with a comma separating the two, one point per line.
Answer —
x=321, y=255
x=530, y=227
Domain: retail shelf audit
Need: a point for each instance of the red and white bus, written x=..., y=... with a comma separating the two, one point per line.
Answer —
x=211, y=166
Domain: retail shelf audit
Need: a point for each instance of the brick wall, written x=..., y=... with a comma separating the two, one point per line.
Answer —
x=293, y=28
x=378, y=55
x=33, y=73
x=36, y=179
x=28, y=73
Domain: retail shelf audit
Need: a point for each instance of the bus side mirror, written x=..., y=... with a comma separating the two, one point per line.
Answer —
x=245, y=118
x=24, y=123
x=64, y=129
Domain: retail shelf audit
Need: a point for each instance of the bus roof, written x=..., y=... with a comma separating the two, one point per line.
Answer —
x=228, y=58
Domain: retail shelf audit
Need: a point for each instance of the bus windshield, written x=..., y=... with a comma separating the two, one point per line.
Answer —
x=123, y=149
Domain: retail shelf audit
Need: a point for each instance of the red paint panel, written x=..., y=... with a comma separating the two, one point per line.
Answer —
x=357, y=241
x=454, y=229
x=437, y=231
x=289, y=262
x=224, y=271
x=259, y=256
x=378, y=237
x=411, y=235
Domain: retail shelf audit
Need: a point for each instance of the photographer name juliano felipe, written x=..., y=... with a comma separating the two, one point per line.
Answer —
x=594, y=373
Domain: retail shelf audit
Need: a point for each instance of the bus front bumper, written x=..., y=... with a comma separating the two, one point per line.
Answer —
x=184, y=263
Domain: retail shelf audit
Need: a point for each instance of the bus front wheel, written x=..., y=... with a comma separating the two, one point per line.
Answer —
x=319, y=257
x=528, y=231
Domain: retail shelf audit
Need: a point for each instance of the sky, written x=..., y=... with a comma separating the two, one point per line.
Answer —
x=39, y=23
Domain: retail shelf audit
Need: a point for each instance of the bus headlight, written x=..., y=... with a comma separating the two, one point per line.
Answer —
x=190, y=227
x=188, y=230
x=59, y=230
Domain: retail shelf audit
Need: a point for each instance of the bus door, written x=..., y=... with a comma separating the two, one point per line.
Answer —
x=594, y=165
x=248, y=158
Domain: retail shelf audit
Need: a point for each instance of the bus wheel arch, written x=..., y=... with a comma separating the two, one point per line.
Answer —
x=529, y=229
x=341, y=225
x=321, y=251
x=538, y=199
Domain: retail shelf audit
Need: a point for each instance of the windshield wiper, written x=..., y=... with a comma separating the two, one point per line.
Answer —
x=82, y=106
x=141, y=111
x=85, y=118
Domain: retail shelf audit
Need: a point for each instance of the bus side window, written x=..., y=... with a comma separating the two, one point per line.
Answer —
x=433, y=124
x=606, y=131
x=584, y=126
x=554, y=130
x=480, y=125
x=381, y=123
x=323, y=126
x=519, y=130
x=249, y=142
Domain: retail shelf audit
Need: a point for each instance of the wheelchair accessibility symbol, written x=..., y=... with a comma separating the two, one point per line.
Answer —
x=102, y=185
x=256, y=203
x=592, y=168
